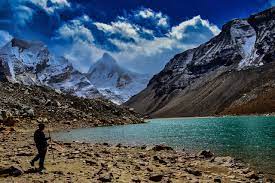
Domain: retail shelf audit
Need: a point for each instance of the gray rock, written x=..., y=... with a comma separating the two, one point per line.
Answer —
x=29, y=112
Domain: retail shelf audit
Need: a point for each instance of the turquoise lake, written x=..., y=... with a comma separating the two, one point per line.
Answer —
x=248, y=138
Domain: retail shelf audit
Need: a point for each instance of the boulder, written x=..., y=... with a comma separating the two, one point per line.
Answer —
x=7, y=119
x=5, y=115
x=205, y=154
x=252, y=175
x=226, y=161
x=156, y=177
x=2, y=129
x=27, y=111
x=11, y=171
x=161, y=148
x=160, y=160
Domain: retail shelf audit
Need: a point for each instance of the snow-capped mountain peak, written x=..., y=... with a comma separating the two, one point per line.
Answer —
x=105, y=64
x=115, y=82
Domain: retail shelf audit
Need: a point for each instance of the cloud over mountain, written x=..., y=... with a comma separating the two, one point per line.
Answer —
x=133, y=44
x=4, y=37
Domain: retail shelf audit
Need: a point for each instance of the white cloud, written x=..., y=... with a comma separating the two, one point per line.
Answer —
x=146, y=13
x=5, y=37
x=82, y=54
x=75, y=30
x=158, y=17
x=121, y=27
x=80, y=50
x=50, y=6
x=23, y=10
x=180, y=31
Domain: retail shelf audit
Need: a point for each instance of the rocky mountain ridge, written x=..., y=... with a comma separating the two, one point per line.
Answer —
x=23, y=106
x=209, y=79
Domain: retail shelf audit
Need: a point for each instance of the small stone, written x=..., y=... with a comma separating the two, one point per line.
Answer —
x=75, y=152
x=58, y=172
x=24, y=154
x=252, y=175
x=90, y=162
x=193, y=171
x=218, y=179
x=106, y=177
x=136, y=179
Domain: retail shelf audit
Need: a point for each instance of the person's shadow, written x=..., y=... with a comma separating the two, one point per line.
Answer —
x=33, y=170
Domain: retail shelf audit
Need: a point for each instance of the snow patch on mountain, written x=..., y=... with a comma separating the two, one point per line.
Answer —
x=248, y=47
x=244, y=36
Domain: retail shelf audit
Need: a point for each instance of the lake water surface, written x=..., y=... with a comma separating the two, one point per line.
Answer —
x=249, y=138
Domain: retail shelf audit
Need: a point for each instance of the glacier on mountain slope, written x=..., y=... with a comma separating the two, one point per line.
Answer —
x=244, y=35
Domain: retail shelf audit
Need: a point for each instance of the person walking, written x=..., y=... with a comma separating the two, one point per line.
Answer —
x=41, y=144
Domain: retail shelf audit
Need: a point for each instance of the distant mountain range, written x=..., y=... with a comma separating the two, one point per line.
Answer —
x=31, y=63
x=233, y=73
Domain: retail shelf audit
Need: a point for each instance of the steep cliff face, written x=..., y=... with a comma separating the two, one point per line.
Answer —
x=211, y=78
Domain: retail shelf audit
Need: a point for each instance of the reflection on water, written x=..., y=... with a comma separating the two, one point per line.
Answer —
x=248, y=138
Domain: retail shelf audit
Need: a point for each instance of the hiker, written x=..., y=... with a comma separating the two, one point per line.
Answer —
x=41, y=145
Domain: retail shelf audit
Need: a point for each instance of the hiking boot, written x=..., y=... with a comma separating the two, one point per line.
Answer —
x=42, y=169
x=32, y=163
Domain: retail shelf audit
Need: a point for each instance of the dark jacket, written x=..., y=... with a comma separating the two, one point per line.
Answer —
x=40, y=139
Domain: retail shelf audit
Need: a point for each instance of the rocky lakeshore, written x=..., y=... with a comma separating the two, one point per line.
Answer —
x=83, y=162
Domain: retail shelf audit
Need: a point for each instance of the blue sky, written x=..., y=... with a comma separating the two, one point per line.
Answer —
x=141, y=34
